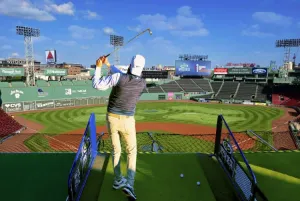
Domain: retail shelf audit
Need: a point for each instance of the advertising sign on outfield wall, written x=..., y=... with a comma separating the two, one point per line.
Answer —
x=13, y=107
x=55, y=72
x=260, y=71
x=192, y=68
x=220, y=71
x=11, y=71
x=44, y=104
x=244, y=71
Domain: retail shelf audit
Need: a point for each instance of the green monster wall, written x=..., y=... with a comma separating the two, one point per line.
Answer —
x=37, y=98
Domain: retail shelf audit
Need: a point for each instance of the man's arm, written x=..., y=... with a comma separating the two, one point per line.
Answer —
x=105, y=82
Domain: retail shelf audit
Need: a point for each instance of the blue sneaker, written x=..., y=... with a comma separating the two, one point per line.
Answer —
x=119, y=184
x=129, y=191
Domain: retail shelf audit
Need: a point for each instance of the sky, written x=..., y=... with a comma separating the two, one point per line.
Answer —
x=227, y=31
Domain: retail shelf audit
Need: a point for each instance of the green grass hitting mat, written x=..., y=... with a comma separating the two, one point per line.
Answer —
x=158, y=178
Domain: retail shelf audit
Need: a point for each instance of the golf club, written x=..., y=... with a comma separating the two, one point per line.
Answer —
x=147, y=30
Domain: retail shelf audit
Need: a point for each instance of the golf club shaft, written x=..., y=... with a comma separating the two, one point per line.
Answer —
x=130, y=41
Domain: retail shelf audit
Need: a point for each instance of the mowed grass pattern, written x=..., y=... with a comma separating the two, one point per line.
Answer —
x=239, y=117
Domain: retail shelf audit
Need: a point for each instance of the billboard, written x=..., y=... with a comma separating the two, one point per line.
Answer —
x=243, y=71
x=220, y=71
x=83, y=161
x=50, y=56
x=55, y=72
x=192, y=68
x=259, y=71
x=11, y=71
x=229, y=64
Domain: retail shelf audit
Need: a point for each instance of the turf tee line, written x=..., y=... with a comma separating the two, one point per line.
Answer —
x=158, y=178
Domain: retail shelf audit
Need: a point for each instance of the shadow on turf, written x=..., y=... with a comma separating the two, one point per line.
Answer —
x=218, y=181
x=95, y=179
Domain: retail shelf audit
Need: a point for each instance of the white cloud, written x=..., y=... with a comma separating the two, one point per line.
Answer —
x=85, y=47
x=66, y=43
x=91, y=15
x=166, y=46
x=15, y=54
x=136, y=29
x=81, y=32
x=108, y=30
x=272, y=18
x=185, y=23
x=41, y=39
x=24, y=9
x=64, y=9
x=255, y=31
x=6, y=47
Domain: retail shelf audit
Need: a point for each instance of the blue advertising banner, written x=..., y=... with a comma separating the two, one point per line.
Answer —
x=259, y=71
x=83, y=161
x=192, y=68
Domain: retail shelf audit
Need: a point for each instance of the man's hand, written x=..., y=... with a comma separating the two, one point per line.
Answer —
x=105, y=61
x=99, y=62
x=102, y=60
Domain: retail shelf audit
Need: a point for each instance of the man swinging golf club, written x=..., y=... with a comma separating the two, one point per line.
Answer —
x=126, y=91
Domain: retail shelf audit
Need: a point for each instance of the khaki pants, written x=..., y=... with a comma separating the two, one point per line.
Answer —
x=120, y=125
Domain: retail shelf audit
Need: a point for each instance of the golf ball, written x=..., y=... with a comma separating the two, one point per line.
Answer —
x=181, y=175
x=198, y=183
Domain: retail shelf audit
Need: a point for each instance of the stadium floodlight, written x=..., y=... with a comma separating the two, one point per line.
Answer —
x=287, y=44
x=28, y=33
x=116, y=41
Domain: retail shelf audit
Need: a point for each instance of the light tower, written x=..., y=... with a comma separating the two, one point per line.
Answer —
x=28, y=33
x=116, y=41
x=287, y=44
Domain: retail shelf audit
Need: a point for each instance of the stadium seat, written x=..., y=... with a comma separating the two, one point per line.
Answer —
x=8, y=124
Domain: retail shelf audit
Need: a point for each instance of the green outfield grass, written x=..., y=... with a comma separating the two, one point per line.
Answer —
x=239, y=117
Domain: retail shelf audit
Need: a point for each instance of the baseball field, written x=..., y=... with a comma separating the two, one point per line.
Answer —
x=184, y=127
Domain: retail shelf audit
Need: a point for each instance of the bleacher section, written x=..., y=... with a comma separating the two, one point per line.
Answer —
x=189, y=86
x=155, y=90
x=216, y=86
x=246, y=91
x=228, y=89
x=8, y=124
x=262, y=92
x=42, y=83
x=18, y=84
x=203, y=84
x=171, y=87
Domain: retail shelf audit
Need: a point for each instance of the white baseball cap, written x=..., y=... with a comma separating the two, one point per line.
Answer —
x=137, y=65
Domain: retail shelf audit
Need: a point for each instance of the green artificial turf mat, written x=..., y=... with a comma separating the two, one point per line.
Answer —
x=35, y=177
x=158, y=178
x=218, y=181
x=277, y=174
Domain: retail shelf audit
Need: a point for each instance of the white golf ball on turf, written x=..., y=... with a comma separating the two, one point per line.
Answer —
x=181, y=175
x=198, y=183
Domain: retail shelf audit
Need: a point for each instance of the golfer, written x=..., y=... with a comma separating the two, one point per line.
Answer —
x=126, y=91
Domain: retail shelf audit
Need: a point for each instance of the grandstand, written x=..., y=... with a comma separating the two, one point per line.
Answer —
x=8, y=125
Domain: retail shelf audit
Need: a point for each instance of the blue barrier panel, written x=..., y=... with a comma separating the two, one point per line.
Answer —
x=83, y=162
x=243, y=179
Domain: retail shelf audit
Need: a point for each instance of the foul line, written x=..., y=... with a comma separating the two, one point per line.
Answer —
x=70, y=146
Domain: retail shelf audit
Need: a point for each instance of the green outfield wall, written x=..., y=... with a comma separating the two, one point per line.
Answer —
x=39, y=98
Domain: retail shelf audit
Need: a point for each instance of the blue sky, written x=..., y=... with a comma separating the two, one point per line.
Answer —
x=227, y=31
